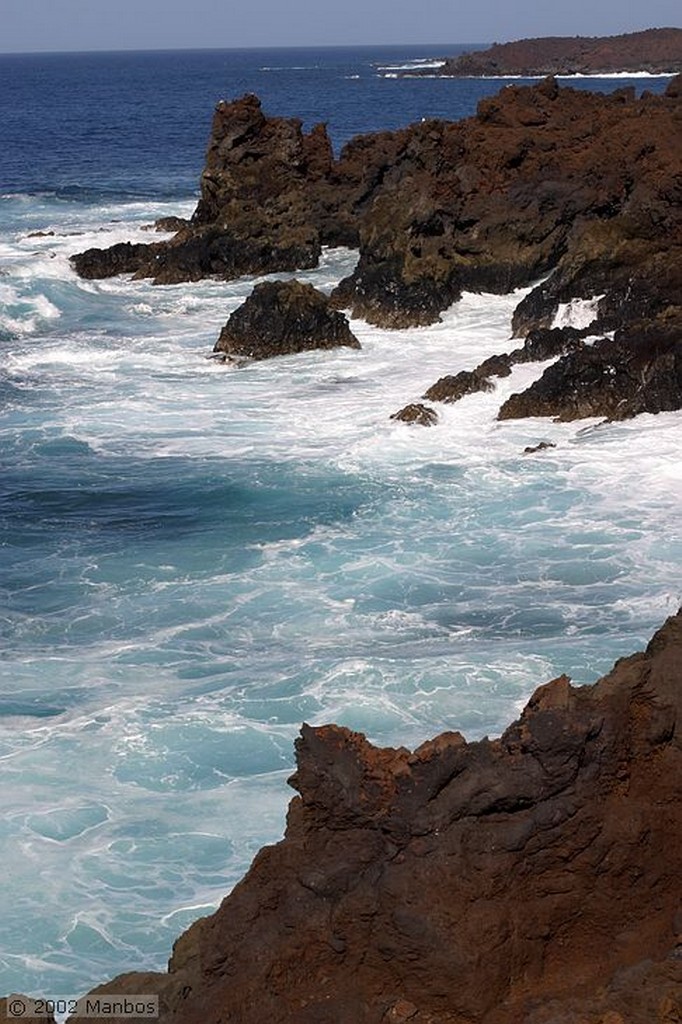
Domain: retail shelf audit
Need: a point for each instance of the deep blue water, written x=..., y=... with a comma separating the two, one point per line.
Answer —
x=194, y=560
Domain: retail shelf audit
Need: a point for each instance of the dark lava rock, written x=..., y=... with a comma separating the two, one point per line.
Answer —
x=122, y=258
x=657, y=50
x=454, y=387
x=543, y=179
x=281, y=317
x=544, y=343
x=495, y=366
x=530, y=879
x=170, y=224
x=543, y=446
x=416, y=412
x=639, y=370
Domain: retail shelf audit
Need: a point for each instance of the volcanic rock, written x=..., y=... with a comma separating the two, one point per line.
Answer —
x=530, y=879
x=541, y=344
x=639, y=370
x=417, y=413
x=656, y=50
x=541, y=179
x=174, y=224
x=122, y=258
x=282, y=317
x=531, y=449
x=454, y=387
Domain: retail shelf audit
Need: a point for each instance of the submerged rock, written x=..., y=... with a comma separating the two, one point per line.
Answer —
x=282, y=317
x=531, y=449
x=532, y=878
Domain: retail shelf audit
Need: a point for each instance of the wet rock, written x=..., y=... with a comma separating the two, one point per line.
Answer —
x=544, y=343
x=639, y=370
x=496, y=366
x=453, y=387
x=542, y=180
x=283, y=317
x=122, y=258
x=541, y=447
x=417, y=413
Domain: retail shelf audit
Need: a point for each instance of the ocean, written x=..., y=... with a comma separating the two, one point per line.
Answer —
x=195, y=559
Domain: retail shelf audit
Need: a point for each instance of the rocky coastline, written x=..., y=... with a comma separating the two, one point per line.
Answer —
x=655, y=51
x=530, y=879
x=578, y=191
x=533, y=878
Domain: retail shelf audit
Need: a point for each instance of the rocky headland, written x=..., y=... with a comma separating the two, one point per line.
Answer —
x=579, y=191
x=655, y=50
x=530, y=879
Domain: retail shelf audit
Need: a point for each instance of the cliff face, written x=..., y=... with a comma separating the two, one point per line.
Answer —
x=532, y=879
x=656, y=50
x=583, y=188
x=541, y=178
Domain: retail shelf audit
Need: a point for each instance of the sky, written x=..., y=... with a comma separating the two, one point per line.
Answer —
x=53, y=25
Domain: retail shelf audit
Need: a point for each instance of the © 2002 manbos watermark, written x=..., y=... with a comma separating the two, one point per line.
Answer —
x=96, y=1007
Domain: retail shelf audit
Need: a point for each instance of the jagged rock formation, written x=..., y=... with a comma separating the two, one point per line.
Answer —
x=639, y=370
x=531, y=879
x=656, y=50
x=541, y=344
x=281, y=317
x=582, y=188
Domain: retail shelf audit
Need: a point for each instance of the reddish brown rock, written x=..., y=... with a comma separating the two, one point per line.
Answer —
x=543, y=178
x=657, y=50
x=531, y=879
x=580, y=189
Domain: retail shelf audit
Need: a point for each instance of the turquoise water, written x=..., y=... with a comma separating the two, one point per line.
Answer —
x=195, y=559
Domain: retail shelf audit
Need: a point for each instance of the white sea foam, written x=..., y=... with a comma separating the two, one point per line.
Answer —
x=212, y=555
x=605, y=75
x=579, y=313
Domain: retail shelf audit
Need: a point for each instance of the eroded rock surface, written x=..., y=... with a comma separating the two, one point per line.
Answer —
x=639, y=370
x=531, y=879
x=580, y=189
x=282, y=317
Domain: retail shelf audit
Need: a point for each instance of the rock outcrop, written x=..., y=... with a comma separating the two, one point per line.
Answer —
x=656, y=50
x=581, y=190
x=530, y=879
x=416, y=413
x=282, y=317
x=639, y=370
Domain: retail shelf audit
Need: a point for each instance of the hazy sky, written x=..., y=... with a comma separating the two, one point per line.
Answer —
x=29, y=25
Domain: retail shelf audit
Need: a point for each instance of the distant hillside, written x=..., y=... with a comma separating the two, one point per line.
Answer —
x=656, y=50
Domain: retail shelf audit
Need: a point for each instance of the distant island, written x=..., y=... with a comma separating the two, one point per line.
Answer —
x=656, y=51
